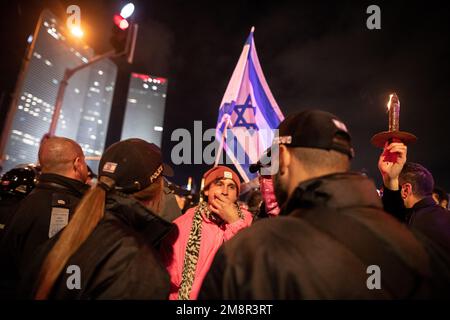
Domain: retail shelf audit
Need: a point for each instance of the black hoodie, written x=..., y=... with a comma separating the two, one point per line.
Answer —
x=327, y=245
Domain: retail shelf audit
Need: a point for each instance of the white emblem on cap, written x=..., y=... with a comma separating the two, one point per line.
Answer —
x=340, y=125
x=282, y=140
x=227, y=175
x=110, y=167
x=156, y=174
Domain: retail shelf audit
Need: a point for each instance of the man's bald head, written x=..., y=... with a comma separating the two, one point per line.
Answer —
x=62, y=156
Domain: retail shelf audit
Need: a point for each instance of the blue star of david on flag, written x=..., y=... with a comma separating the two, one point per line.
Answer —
x=241, y=121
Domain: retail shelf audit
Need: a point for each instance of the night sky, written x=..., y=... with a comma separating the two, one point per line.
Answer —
x=315, y=54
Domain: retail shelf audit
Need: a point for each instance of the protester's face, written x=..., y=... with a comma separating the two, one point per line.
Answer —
x=281, y=179
x=225, y=187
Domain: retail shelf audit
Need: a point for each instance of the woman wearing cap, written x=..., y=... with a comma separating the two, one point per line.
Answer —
x=188, y=253
x=107, y=251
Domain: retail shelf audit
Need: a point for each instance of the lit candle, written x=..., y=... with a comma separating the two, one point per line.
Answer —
x=394, y=134
x=189, y=184
x=394, y=112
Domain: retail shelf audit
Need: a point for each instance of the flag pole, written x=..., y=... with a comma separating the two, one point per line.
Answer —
x=219, y=153
x=222, y=141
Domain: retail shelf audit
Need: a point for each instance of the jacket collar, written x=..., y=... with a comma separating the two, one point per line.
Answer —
x=424, y=203
x=341, y=190
x=134, y=214
x=50, y=180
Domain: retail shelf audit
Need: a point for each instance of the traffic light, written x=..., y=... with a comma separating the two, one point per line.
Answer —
x=120, y=33
x=124, y=33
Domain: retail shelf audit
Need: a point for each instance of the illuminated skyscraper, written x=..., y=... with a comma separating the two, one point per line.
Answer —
x=144, y=115
x=87, y=101
x=93, y=124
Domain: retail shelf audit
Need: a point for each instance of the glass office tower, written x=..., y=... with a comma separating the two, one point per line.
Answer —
x=144, y=115
x=87, y=101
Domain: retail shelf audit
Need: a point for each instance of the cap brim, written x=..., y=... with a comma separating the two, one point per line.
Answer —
x=167, y=170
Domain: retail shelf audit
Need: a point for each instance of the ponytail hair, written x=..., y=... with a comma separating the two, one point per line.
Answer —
x=87, y=215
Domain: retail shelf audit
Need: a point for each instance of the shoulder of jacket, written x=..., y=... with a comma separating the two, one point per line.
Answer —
x=111, y=227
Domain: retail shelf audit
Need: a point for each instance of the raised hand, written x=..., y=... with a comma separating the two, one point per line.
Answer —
x=391, y=163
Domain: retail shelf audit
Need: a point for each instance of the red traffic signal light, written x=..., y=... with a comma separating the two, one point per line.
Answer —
x=120, y=32
x=120, y=22
x=124, y=34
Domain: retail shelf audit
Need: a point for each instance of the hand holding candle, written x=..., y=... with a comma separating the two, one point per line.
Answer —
x=389, y=169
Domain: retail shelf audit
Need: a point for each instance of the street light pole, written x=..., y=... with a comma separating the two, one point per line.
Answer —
x=63, y=85
x=129, y=50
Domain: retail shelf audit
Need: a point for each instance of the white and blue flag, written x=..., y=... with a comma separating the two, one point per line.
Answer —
x=248, y=114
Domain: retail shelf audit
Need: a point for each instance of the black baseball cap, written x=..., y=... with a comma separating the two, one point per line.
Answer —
x=315, y=129
x=133, y=164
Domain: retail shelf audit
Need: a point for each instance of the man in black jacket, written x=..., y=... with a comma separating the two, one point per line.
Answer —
x=407, y=195
x=331, y=241
x=109, y=248
x=46, y=210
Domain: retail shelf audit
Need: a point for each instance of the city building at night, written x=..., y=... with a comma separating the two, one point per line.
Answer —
x=95, y=111
x=87, y=101
x=144, y=115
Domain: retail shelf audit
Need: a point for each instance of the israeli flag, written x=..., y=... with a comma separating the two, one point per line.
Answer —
x=248, y=113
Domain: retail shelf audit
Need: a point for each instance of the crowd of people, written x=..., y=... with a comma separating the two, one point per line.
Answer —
x=313, y=230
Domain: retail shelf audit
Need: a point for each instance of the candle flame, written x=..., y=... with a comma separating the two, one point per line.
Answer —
x=390, y=101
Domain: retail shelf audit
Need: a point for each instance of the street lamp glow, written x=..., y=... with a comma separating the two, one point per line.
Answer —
x=77, y=32
x=127, y=10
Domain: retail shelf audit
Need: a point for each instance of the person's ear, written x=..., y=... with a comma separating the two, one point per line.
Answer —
x=76, y=164
x=406, y=190
x=285, y=159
